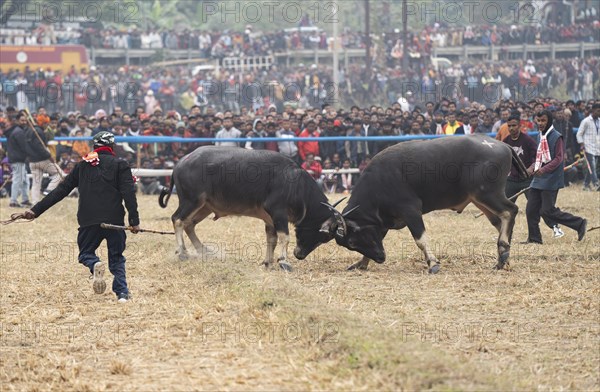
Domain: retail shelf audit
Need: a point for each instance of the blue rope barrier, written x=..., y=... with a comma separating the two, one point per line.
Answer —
x=177, y=139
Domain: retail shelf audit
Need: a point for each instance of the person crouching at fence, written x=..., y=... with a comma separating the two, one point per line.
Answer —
x=104, y=183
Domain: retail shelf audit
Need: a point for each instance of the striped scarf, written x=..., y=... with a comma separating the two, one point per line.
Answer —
x=543, y=152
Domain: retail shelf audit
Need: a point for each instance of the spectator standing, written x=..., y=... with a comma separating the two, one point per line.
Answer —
x=228, y=132
x=17, y=156
x=504, y=115
x=588, y=138
x=311, y=147
x=40, y=162
x=287, y=148
x=453, y=127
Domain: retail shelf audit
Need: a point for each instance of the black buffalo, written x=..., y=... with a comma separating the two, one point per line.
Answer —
x=261, y=184
x=410, y=179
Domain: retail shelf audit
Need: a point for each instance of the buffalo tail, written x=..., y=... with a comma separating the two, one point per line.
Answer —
x=165, y=192
x=519, y=165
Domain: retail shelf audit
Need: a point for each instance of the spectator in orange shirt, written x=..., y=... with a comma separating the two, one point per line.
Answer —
x=81, y=147
x=504, y=132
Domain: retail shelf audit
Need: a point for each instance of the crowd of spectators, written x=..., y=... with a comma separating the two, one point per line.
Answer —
x=302, y=86
x=434, y=118
x=213, y=44
x=224, y=43
x=501, y=35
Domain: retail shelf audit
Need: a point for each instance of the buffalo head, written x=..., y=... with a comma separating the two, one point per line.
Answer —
x=364, y=239
x=310, y=235
x=307, y=240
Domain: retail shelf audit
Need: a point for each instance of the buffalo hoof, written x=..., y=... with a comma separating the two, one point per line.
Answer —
x=500, y=267
x=183, y=256
x=358, y=266
x=502, y=261
x=362, y=265
x=434, y=269
x=286, y=267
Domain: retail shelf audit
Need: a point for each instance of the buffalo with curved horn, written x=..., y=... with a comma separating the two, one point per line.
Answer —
x=410, y=179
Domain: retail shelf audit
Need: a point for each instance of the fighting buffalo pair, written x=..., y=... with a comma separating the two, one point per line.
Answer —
x=401, y=183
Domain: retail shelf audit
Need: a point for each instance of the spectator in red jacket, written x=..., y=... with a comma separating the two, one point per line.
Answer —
x=313, y=168
x=305, y=148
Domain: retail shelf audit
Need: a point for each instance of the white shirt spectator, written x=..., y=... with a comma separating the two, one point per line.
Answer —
x=204, y=41
x=530, y=68
x=155, y=40
x=232, y=133
x=589, y=135
x=145, y=41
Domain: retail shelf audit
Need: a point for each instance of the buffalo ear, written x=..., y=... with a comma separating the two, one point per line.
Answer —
x=329, y=226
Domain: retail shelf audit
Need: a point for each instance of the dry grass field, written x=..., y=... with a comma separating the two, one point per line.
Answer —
x=225, y=323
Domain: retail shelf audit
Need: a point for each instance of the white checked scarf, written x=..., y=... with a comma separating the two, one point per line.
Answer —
x=543, y=151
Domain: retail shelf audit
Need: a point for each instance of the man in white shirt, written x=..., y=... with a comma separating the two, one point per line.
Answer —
x=82, y=125
x=504, y=114
x=205, y=43
x=228, y=132
x=530, y=67
x=287, y=148
x=588, y=138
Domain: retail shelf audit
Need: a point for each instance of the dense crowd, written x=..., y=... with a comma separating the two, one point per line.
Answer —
x=219, y=43
x=302, y=86
x=445, y=117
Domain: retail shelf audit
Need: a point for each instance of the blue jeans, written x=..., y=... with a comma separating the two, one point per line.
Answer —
x=591, y=178
x=20, y=183
x=89, y=239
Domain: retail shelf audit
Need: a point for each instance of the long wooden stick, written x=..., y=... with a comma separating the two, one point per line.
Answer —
x=588, y=165
x=129, y=228
x=573, y=164
x=32, y=126
x=510, y=198
x=526, y=189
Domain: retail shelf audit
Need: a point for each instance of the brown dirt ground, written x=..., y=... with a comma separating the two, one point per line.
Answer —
x=226, y=323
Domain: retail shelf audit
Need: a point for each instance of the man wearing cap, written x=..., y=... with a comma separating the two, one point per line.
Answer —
x=104, y=182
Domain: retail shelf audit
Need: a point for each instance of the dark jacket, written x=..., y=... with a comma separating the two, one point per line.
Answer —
x=36, y=151
x=102, y=190
x=555, y=179
x=17, y=144
x=566, y=130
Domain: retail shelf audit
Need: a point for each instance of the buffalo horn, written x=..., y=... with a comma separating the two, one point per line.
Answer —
x=338, y=202
x=341, y=223
x=345, y=214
